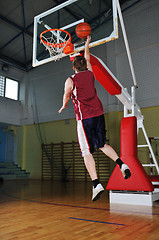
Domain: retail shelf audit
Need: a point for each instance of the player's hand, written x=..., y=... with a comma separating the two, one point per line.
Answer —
x=88, y=40
x=62, y=108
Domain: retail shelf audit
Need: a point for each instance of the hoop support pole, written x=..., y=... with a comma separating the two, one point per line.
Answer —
x=126, y=44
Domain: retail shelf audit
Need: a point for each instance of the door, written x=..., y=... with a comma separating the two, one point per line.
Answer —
x=10, y=147
x=2, y=145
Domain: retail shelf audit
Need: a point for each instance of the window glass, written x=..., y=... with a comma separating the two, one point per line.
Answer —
x=11, y=89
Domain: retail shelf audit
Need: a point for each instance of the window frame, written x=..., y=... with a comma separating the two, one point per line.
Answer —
x=4, y=90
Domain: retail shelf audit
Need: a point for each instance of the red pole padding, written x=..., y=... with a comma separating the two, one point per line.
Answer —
x=139, y=180
x=104, y=77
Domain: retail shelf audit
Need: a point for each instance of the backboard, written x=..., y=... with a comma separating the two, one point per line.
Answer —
x=101, y=15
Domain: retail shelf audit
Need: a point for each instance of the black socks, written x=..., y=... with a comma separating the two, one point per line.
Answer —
x=95, y=182
x=119, y=162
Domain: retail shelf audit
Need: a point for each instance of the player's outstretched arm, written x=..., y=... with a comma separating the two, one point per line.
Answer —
x=87, y=53
x=67, y=94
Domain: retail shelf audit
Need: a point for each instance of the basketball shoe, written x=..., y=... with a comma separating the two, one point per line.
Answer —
x=97, y=191
x=125, y=171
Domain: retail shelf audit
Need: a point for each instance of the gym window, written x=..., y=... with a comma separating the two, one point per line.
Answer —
x=9, y=88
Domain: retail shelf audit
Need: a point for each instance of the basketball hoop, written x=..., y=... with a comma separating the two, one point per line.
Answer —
x=55, y=40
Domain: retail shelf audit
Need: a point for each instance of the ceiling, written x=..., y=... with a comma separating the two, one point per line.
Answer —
x=16, y=24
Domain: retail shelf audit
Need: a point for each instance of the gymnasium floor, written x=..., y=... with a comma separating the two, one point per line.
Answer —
x=36, y=210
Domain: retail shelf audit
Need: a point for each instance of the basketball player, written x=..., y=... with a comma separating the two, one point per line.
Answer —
x=90, y=119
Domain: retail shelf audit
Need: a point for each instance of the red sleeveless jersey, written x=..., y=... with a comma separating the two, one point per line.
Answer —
x=84, y=96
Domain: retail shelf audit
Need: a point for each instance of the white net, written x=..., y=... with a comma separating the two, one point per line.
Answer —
x=55, y=40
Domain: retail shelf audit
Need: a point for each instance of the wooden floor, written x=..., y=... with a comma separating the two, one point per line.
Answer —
x=36, y=210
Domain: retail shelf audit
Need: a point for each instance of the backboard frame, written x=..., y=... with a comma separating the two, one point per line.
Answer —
x=112, y=36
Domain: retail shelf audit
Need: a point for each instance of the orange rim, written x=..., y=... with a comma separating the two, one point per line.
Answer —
x=60, y=45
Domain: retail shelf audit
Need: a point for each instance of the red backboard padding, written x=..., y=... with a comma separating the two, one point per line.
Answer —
x=139, y=180
x=104, y=77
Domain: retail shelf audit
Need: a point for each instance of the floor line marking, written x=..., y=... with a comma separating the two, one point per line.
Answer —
x=89, y=220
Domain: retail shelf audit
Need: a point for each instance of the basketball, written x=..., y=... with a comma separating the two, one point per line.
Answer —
x=83, y=30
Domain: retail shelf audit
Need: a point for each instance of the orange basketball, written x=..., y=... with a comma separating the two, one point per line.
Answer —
x=83, y=30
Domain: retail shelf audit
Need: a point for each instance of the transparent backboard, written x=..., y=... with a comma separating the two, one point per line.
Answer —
x=100, y=15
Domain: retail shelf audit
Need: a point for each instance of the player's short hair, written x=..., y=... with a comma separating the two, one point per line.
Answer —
x=80, y=63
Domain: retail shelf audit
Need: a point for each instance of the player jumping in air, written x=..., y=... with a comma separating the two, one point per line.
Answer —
x=90, y=119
